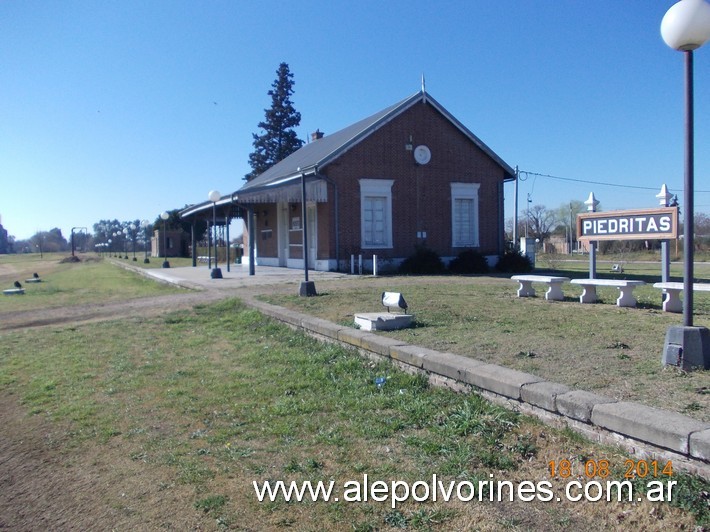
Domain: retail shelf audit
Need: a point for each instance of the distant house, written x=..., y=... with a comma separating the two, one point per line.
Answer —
x=172, y=243
x=411, y=175
x=4, y=241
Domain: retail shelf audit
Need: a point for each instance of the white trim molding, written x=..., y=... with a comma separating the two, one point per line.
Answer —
x=464, y=215
x=376, y=213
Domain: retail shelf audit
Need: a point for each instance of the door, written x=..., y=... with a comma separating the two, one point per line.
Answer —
x=312, y=235
x=283, y=234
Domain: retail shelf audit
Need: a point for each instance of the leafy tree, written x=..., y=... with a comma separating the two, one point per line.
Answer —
x=279, y=140
x=566, y=216
x=173, y=223
x=49, y=241
x=541, y=222
x=4, y=241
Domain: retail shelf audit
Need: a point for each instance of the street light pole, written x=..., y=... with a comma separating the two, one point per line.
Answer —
x=307, y=288
x=145, y=224
x=164, y=216
x=686, y=27
x=214, y=196
x=133, y=239
x=688, y=194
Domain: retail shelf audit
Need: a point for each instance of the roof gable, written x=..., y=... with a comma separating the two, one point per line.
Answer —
x=319, y=153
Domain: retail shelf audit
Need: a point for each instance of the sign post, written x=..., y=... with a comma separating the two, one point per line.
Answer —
x=664, y=198
x=591, y=204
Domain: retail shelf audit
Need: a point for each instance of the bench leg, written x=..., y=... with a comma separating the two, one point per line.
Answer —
x=554, y=293
x=626, y=297
x=589, y=294
x=526, y=289
x=671, y=301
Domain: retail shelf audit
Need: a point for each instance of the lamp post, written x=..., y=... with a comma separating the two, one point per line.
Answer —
x=144, y=225
x=214, y=196
x=686, y=27
x=125, y=243
x=592, y=203
x=132, y=227
x=307, y=288
x=164, y=216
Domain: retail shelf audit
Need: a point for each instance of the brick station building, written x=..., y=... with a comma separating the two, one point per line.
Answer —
x=410, y=175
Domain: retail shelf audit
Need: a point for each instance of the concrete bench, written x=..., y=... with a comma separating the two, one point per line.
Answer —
x=554, y=286
x=14, y=291
x=672, y=290
x=202, y=259
x=626, y=288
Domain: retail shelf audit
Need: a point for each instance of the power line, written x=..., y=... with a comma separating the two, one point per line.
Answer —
x=601, y=183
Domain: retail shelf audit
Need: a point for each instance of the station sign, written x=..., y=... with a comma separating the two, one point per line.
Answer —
x=642, y=224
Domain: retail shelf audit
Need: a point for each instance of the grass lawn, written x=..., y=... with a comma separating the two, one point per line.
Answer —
x=600, y=348
x=202, y=403
x=176, y=416
x=93, y=280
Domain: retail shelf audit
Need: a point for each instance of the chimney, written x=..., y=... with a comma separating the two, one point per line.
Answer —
x=317, y=135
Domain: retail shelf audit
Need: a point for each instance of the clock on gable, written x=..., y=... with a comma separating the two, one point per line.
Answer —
x=422, y=154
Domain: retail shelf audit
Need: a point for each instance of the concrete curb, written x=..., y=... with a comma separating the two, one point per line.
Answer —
x=156, y=275
x=648, y=433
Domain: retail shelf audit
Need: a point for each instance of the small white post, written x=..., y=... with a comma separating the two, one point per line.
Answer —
x=359, y=264
x=352, y=264
x=374, y=265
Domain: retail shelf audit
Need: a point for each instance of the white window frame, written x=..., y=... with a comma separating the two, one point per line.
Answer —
x=465, y=191
x=376, y=188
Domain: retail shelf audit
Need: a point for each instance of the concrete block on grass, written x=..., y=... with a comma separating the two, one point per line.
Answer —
x=449, y=365
x=368, y=341
x=700, y=445
x=279, y=313
x=322, y=327
x=412, y=355
x=500, y=380
x=653, y=425
x=579, y=404
x=379, y=344
x=352, y=336
x=543, y=394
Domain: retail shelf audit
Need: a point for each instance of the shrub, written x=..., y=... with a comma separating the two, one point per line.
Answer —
x=514, y=262
x=469, y=261
x=423, y=262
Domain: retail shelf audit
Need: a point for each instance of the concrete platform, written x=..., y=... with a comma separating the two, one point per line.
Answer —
x=383, y=321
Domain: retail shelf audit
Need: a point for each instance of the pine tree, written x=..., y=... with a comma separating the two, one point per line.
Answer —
x=279, y=140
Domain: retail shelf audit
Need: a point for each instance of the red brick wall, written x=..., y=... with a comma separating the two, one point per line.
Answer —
x=421, y=195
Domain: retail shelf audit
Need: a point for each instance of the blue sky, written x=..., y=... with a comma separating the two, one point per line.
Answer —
x=122, y=109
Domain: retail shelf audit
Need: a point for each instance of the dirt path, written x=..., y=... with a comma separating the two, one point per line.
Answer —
x=47, y=484
x=148, y=306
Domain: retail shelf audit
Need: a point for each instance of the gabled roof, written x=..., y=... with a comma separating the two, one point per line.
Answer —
x=319, y=153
